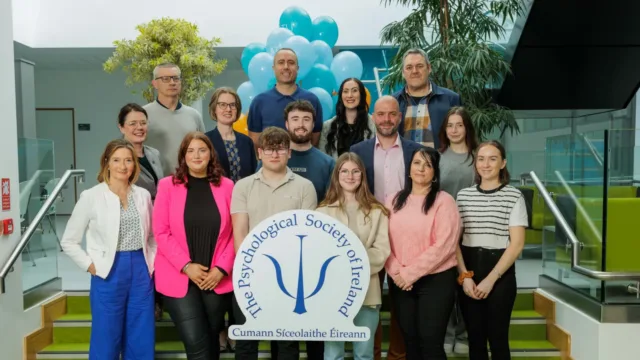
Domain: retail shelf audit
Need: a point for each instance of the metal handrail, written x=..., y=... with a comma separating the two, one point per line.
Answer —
x=592, y=149
x=575, y=248
x=24, y=240
x=579, y=206
x=376, y=75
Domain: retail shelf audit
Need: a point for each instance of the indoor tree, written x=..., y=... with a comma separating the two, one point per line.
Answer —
x=458, y=37
x=168, y=40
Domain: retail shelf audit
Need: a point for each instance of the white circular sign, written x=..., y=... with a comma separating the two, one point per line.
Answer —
x=300, y=275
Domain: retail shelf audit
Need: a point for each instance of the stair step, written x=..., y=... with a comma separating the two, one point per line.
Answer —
x=522, y=349
x=78, y=301
x=517, y=316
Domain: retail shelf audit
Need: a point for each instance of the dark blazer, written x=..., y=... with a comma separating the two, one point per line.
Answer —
x=246, y=150
x=365, y=148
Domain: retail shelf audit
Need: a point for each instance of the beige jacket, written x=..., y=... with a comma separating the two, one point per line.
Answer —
x=374, y=234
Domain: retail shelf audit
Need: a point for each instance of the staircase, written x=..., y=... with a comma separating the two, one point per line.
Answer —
x=71, y=334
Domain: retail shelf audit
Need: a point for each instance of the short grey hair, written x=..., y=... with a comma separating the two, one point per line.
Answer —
x=164, y=66
x=415, y=51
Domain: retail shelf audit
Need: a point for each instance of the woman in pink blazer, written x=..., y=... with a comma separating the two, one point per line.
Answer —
x=192, y=226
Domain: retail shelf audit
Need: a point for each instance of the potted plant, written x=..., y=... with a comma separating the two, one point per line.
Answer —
x=462, y=54
x=168, y=40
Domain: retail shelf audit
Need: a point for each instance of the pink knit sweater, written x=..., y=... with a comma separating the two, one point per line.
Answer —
x=423, y=244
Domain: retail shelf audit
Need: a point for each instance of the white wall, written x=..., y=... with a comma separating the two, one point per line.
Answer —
x=97, y=23
x=25, y=19
x=591, y=340
x=97, y=97
x=11, y=309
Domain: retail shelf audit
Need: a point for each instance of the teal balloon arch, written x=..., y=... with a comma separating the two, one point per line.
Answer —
x=313, y=40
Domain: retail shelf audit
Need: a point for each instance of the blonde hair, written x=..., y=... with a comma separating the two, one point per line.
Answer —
x=112, y=147
x=364, y=197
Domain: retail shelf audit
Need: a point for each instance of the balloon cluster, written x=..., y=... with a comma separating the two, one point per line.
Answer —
x=319, y=70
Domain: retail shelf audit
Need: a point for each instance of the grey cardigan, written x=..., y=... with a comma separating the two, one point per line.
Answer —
x=145, y=180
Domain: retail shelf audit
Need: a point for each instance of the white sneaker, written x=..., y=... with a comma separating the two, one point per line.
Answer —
x=461, y=348
x=448, y=348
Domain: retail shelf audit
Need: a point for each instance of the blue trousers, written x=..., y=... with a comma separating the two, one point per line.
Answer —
x=122, y=310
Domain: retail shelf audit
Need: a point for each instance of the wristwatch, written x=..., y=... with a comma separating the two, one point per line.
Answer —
x=465, y=275
x=184, y=269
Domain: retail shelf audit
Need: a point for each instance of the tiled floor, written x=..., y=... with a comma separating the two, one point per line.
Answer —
x=58, y=264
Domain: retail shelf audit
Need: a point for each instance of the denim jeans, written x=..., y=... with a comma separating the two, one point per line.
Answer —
x=362, y=350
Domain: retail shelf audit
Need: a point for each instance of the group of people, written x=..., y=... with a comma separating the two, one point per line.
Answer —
x=441, y=224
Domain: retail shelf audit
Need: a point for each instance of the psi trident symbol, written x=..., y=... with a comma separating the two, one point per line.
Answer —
x=300, y=297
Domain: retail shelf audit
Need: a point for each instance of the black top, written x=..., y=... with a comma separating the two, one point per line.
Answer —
x=144, y=162
x=201, y=221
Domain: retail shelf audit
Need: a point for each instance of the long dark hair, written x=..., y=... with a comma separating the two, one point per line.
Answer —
x=214, y=169
x=340, y=130
x=433, y=159
x=503, y=176
x=470, y=132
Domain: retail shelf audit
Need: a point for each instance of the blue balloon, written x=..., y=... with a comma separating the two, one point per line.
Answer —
x=260, y=71
x=298, y=21
x=305, y=53
x=320, y=76
x=246, y=91
x=323, y=51
x=325, y=29
x=249, y=52
x=276, y=38
x=346, y=64
x=325, y=101
x=272, y=83
x=334, y=99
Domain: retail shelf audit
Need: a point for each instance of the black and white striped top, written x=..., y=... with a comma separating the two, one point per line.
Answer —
x=488, y=215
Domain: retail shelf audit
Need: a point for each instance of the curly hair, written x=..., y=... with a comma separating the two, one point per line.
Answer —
x=214, y=169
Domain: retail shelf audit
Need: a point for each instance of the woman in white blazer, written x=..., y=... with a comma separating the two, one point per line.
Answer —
x=115, y=217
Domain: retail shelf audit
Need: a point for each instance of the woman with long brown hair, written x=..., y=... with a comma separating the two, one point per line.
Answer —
x=458, y=143
x=494, y=217
x=192, y=224
x=350, y=201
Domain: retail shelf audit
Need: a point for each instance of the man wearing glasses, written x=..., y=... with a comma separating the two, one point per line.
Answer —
x=169, y=119
x=271, y=190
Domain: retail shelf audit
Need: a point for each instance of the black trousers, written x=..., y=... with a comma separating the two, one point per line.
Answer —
x=198, y=317
x=315, y=350
x=488, y=319
x=248, y=349
x=423, y=314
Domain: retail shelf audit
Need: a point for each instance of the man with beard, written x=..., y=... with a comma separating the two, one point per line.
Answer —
x=387, y=158
x=306, y=160
x=267, y=109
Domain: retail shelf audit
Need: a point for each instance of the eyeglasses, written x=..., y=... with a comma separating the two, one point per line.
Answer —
x=223, y=106
x=167, y=79
x=280, y=151
x=134, y=124
x=354, y=173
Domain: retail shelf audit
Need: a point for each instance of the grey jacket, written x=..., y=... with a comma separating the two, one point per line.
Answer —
x=145, y=180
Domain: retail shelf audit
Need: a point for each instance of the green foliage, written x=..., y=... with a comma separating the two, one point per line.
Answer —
x=168, y=41
x=462, y=56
